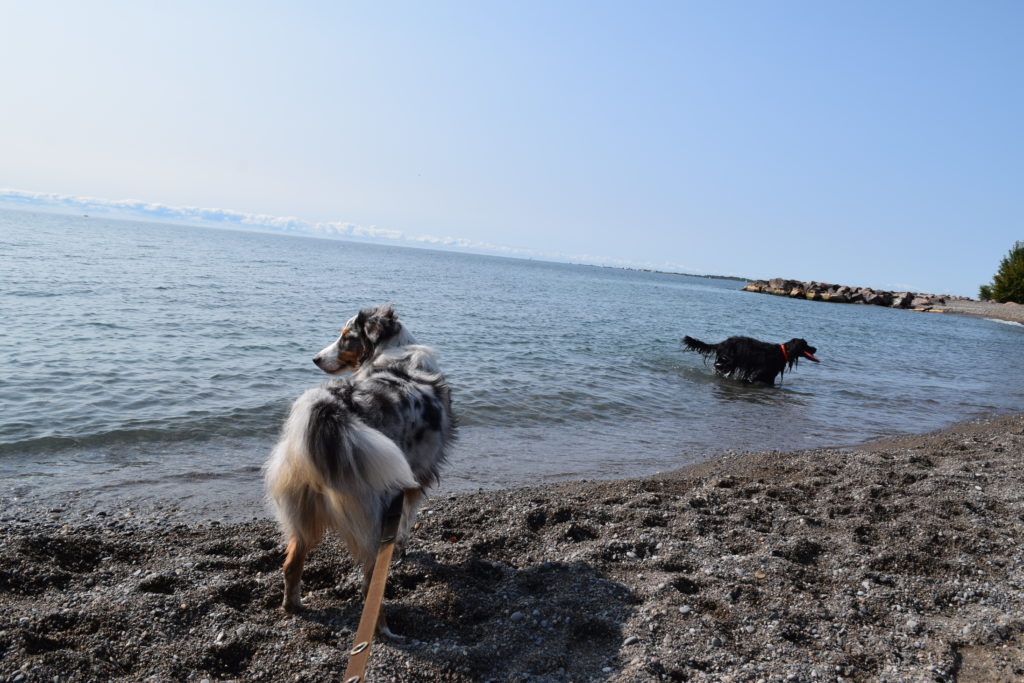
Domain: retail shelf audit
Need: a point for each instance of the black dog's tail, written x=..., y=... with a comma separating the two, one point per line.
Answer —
x=700, y=347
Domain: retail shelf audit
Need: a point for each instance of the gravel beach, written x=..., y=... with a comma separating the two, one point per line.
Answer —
x=896, y=560
x=986, y=309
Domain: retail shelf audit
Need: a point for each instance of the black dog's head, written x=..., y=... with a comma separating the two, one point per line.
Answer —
x=795, y=348
x=361, y=337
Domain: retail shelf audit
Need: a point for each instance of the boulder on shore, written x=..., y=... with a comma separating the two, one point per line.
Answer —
x=843, y=294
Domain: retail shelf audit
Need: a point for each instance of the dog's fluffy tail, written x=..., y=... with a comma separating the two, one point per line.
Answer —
x=700, y=347
x=325, y=453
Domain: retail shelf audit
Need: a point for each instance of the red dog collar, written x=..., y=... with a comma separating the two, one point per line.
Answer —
x=784, y=354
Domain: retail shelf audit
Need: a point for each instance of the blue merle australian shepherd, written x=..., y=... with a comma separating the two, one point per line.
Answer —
x=354, y=443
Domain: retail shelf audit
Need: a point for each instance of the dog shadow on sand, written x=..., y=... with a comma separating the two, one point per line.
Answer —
x=481, y=619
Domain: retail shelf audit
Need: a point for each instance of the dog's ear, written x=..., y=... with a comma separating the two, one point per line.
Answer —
x=380, y=323
x=359, y=322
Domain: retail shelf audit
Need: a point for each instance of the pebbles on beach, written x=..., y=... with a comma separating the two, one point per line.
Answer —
x=883, y=562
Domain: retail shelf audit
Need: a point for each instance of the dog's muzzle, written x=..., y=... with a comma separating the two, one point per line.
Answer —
x=334, y=363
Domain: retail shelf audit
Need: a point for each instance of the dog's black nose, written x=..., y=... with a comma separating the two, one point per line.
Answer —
x=316, y=361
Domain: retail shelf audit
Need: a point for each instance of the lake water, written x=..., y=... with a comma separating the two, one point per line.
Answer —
x=146, y=361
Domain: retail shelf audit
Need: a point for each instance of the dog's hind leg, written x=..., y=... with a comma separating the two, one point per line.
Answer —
x=724, y=364
x=410, y=507
x=295, y=559
x=382, y=622
x=389, y=532
x=305, y=518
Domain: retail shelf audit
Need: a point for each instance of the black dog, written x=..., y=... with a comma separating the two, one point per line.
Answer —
x=751, y=360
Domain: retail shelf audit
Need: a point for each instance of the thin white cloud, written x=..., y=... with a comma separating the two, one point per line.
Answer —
x=299, y=226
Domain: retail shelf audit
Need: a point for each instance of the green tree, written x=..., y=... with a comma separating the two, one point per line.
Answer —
x=1008, y=282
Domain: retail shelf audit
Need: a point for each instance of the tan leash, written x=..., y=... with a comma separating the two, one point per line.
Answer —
x=360, y=652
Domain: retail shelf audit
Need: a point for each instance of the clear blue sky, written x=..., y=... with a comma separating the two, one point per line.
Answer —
x=866, y=143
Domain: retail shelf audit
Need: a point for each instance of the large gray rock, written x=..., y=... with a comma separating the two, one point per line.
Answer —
x=901, y=300
x=869, y=296
x=857, y=295
x=841, y=295
x=921, y=301
x=783, y=286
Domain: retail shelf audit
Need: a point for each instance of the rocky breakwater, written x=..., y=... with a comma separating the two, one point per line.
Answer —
x=843, y=294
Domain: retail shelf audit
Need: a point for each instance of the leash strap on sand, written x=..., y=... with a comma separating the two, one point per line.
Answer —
x=360, y=652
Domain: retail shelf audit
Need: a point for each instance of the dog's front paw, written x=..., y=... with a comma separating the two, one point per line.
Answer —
x=291, y=605
x=398, y=556
x=385, y=633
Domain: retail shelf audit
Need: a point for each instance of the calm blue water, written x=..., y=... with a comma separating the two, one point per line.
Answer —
x=147, y=360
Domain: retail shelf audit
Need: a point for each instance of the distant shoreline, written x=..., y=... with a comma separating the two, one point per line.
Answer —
x=731, y=278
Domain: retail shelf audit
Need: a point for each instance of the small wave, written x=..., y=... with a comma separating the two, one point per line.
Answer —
x=580, y=405
x=1006, y=322
x=33, y=294
x=105, y=325
x=260, y=421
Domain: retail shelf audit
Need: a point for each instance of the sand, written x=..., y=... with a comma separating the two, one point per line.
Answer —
x=897, y=560
x=1011, y=312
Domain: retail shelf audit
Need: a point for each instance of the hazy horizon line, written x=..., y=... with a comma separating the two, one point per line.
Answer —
x=337, y=230
x=342, y=230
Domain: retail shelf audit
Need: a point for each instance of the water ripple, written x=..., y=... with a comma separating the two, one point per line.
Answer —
x=174, y=344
